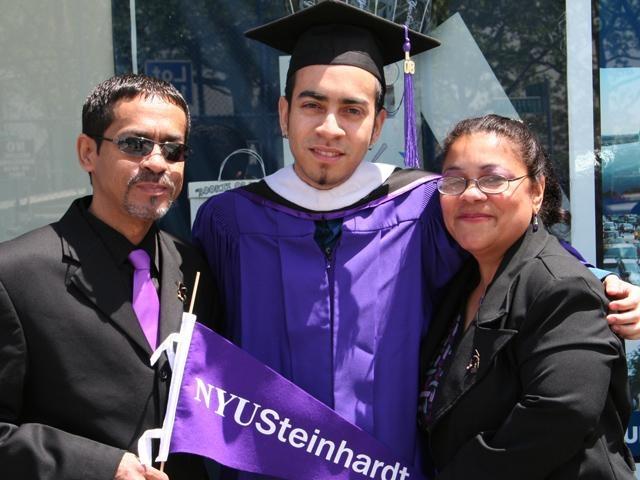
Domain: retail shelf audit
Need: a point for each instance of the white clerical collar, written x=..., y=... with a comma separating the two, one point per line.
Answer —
x=366, y=178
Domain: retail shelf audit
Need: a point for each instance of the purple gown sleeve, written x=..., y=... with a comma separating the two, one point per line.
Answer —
x=215, y=232
x=442, y=256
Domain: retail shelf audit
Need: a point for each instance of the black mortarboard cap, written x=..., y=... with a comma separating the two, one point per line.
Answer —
x=335, y=33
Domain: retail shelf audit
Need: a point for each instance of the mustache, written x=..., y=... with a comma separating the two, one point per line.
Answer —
x=147, y=176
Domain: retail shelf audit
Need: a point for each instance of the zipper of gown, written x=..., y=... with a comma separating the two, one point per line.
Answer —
x=330, y=268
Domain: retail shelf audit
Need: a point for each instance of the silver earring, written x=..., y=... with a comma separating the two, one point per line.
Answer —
x=534, y=223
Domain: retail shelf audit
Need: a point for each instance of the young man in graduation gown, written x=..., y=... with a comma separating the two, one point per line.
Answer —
x=329, y=270
x=76, y=386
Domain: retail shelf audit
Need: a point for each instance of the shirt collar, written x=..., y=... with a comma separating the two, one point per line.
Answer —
x=117, y=244
x=367, y=177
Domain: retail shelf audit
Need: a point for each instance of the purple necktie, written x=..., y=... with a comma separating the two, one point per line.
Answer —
x=145, y=297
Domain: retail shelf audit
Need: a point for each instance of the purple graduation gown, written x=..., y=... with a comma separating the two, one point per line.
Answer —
x=347, y=329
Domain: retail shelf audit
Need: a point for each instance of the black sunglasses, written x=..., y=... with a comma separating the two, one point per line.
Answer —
x=141, y=147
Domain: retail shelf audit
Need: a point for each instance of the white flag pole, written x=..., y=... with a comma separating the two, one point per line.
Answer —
x=181, y=342
x=186, y=330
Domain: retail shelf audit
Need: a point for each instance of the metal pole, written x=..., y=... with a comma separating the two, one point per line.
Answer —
x=581, y=127
x=134, y=36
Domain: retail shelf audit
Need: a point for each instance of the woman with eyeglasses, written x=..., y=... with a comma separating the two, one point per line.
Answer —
x=522, y=377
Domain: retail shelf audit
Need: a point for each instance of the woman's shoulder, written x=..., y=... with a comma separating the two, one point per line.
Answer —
x=554, y=262
x=554, y=272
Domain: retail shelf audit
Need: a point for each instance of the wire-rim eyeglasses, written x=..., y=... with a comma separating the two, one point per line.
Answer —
x=488, y=184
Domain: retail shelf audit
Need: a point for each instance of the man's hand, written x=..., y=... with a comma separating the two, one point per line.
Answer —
x=624, y=309
x=130, y=468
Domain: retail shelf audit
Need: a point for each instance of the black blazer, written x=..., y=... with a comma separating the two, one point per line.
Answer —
x=76, y=388
x=547, y=397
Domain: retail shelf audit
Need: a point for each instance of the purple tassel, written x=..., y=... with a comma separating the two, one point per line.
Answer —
x=411, y=157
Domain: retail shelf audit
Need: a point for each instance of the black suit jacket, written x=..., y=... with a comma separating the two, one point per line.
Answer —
x=76, y=387
x=547, y=394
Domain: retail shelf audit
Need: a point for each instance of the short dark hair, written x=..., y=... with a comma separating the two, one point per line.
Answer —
x=291, y=83
x=531, y=153
x=97, y=111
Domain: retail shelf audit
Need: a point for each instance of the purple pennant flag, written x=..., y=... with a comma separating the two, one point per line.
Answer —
x=240, y=413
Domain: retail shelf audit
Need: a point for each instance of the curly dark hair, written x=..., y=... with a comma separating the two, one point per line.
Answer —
x=531, y=153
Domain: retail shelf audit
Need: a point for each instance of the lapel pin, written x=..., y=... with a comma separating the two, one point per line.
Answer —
x=182, y=292
x=474, y=363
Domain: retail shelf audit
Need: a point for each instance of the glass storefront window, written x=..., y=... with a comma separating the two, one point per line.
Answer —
x=618, y=140
x=506, y=63
x=619, y=136
x=53, y=53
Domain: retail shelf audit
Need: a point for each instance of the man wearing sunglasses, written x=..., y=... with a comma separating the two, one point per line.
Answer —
x=84, y=301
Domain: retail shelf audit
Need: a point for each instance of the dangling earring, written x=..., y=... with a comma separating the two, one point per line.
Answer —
x=534, y=223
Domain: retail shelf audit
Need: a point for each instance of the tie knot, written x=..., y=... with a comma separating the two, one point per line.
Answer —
x=140, y=259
